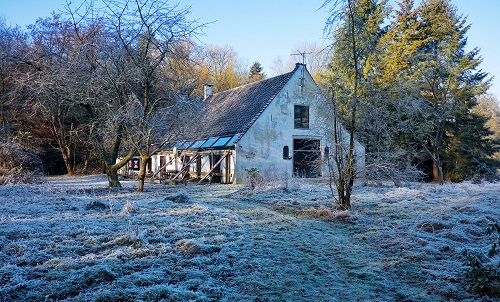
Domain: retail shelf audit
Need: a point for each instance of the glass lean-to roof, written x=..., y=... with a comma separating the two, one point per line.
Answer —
x=177, y=145
x=209, y=142
x=185, y=145
x=182, y=145
x=213, y=142
x=198, y=144
x=233, y=140
x=221, y=141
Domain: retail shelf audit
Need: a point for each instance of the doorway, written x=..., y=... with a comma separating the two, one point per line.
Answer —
x=307, y=158
x=216, y=175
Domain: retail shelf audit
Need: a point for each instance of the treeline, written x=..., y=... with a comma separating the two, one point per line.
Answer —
x=85, y=87
x=95, y=84
x=404, y=83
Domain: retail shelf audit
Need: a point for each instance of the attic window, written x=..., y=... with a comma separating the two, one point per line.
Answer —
x=301, y=117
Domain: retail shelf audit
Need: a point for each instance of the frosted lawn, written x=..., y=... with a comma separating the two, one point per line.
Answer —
x=71, y=239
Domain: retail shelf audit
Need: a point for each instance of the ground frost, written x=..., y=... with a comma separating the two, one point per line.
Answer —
x=71, y=239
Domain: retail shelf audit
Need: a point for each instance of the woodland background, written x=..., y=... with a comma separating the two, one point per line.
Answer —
x=80, y=88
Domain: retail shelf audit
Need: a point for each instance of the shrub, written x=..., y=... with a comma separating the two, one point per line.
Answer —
x=193, y=247
x=128, y=208
x=483, y=271
x=19, y=164
x=95, y=205
x=255, y=179
x=179, y=197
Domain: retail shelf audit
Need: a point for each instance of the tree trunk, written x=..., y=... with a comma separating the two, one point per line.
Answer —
x=86, y=165
x=350, y=155
x=437, y=171
x=67, y=161
x=112, y=173
x=141, y=175
x=441, y=177
x=437, y=167
x=112, y=167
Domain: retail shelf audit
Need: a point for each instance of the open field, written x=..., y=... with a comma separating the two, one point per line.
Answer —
x=71, y=239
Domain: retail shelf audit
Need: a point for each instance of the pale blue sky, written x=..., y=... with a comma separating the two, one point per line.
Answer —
x=262, y=30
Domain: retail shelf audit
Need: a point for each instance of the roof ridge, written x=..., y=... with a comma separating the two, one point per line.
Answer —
x=288, y=74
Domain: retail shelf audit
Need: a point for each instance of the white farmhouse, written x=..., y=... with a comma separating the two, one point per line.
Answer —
x=276, y=126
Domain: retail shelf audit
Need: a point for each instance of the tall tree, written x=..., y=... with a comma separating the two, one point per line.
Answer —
x=48, y=78
x=355, y=42
x=11, y=40
x=488, y=106
x=256, y=73
x=425, y=49
x=469, y=149
x=140, y=37
x=183, y=69
x=222, y=68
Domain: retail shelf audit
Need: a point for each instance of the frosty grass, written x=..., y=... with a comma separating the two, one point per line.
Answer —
x=72, y=239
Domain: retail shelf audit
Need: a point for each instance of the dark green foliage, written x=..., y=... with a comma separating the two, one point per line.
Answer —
x=482, y=272
x=433, y=83
x=469, y=150
x=256, y=72
x=356, y=27
x=256, y=68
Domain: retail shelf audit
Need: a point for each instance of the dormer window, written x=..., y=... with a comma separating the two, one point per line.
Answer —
x=301, y=117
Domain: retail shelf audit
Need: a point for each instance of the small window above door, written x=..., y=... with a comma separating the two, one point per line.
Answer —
x=301, y=117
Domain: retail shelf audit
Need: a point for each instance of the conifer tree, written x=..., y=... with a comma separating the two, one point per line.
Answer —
x=469, y=149
x=256, y=73
x=425, y=55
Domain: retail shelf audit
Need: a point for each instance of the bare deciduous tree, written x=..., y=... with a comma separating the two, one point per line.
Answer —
x=222, y=68
x=355, y=40
x=50, y=62
x=138, y=38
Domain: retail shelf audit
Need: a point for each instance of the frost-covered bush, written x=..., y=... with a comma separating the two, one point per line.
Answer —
x=280, y=181
x=179, y=197
x=476, y=171
x=194, y=247
x=19, y=164
x=128, y=208
x=95, y=205
x=483, y=271
x=254, y=178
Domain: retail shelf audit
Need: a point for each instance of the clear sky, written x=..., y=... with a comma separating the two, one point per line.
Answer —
x=263, y=30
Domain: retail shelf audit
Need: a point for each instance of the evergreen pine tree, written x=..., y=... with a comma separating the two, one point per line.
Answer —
x=425, y=58
x=256, y=73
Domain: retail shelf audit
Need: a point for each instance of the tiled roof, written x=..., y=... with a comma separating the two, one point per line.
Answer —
x=233, y=111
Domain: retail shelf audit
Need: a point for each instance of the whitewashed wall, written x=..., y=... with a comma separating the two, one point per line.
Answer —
x=262, y=146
